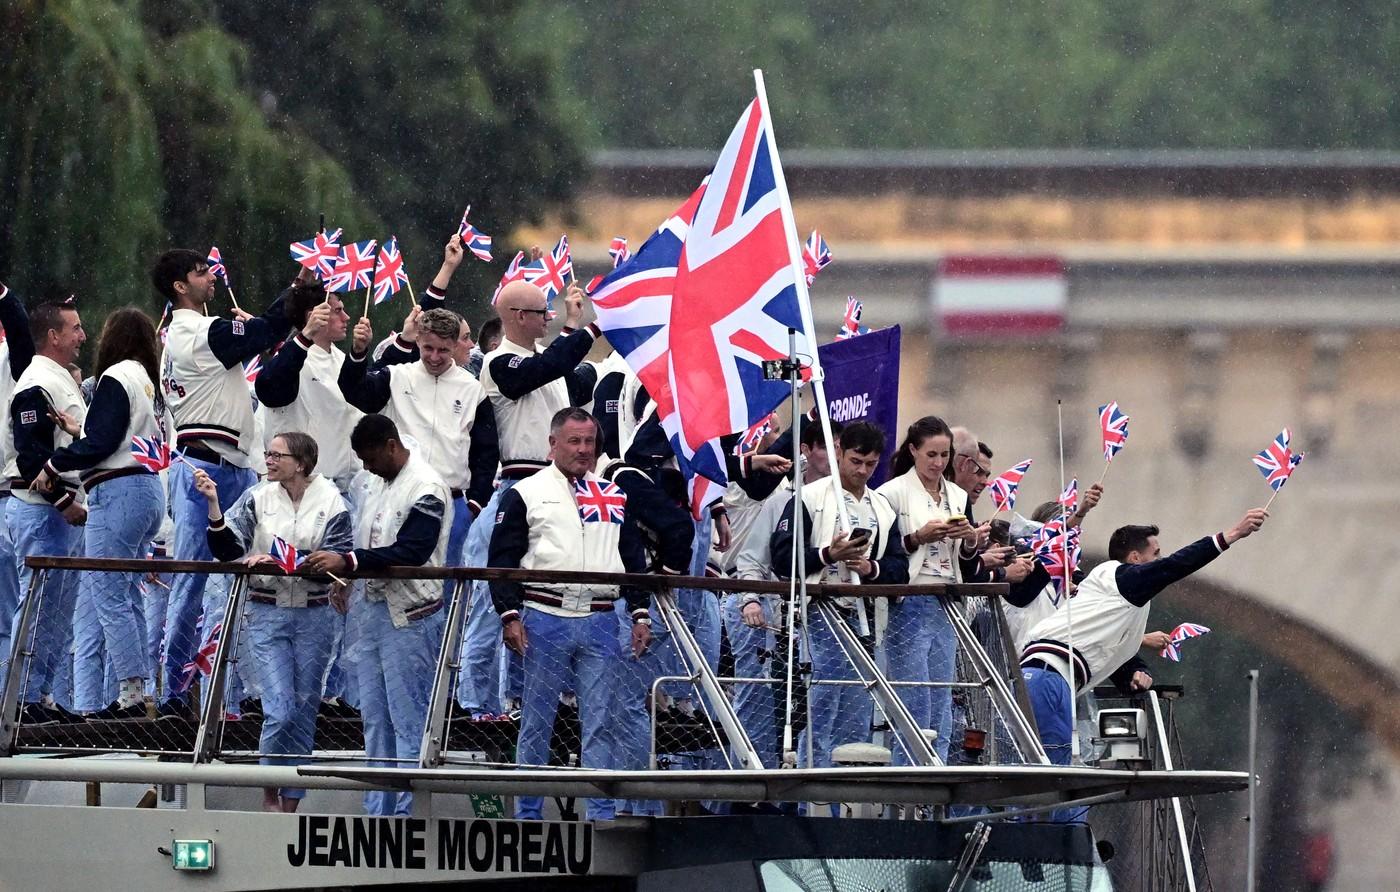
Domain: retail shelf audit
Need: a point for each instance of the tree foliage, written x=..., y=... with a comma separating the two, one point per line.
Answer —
x=987, y=73
x=127, y=127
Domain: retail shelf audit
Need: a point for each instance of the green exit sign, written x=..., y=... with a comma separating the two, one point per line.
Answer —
x=192, y=854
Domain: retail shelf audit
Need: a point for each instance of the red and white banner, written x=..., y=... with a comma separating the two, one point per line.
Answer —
x=987, y=295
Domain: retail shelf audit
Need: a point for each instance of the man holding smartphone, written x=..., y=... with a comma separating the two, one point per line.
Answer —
x=873, y=551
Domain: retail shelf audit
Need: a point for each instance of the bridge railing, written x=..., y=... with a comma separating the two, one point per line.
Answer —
x=253, y=685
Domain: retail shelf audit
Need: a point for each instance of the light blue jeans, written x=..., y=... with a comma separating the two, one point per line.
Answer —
x=920, y=645
x=560, y=648
x=753, y=658
x=288, y=651
x=9, y=588
x=395, y=670
x=630, y=726
x=840, y=713
x=188, y=595
x=41, y=530
x=109, y=626
x=482, y=650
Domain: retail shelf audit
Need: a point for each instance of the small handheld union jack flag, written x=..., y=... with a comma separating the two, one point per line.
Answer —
x=150, y=453
x=850, y=323
x=285, y=555
x=216, y=265
x=354, y=267
x=251, y=369
x=599, y=501
x=203, y=660
x=318, y=253
x=1003, y=489
x=618, y=251
x=1060, y=558
x=1049, y=530
x=553, y=271
x=748, y=443
x=389, y=276
x=1182, y=633
x=1276, y=462
x=473, y=239
x=1113, y=424
x=1070, y=497
x=815, y=255
x=513, y=273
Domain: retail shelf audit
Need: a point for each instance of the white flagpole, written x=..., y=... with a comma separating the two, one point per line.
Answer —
x=1069, y=611
x=804, y=302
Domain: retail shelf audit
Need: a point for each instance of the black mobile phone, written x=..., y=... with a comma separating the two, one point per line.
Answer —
x=859, y=534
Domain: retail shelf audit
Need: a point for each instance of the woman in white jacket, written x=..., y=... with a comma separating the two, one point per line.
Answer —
x=289, y=628
x=920, y=643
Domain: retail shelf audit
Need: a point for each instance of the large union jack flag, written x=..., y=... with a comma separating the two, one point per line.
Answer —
x=720, y=273
x=318, y=253
x=390, y=275
x=1005, y=487
x=1277, y=461
x=1113, y=425
x=354, y=267
x=285, y=554
x=1059, y=555
x=815, y=256
x=150, y=453
x=1182, y=633
x=473, y=239
x=599, y=501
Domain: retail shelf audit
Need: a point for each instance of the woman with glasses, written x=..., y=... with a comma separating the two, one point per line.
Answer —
x=125, y=503
x=289, y=633
x=920, y=643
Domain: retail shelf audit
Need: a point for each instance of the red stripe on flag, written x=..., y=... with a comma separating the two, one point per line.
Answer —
x=1002, y=323
x=740, y=180
x=965, y=265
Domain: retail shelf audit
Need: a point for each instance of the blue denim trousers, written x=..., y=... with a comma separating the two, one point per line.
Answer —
x=560, y=648
x=41, y=530
x=753, y=658
x=395, y=670
x=109, y=624
x=9, y=588
x=188, y=595
x=482, y=651
x=920, y=645
x=840, y=713
x=288, y=651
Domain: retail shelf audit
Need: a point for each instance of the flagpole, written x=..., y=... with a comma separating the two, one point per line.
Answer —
x=1272, y=497
x=1069, y=580
x=370, y=289
x=409, y=282
x=233, y=297
x=1106, y=463
x=804, y=301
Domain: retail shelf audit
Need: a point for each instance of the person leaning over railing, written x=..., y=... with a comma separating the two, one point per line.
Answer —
x=842, y=713
x=404, y=518
x=564, y=517
x=126, y=503
x=290, y=634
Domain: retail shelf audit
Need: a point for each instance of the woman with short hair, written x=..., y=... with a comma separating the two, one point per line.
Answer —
x=289, y=634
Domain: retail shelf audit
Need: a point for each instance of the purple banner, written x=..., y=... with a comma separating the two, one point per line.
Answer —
x=862, y=384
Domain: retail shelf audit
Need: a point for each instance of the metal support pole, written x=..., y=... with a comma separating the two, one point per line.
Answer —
x=1166, y=747
x=449, y=666
x=14, y=678
x=1023, y=734
x=797, y=594
x=719, y=705
x=211, y=711
x=899, y=716
x=1250, y=849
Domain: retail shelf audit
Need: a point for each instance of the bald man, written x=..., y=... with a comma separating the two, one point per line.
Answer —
x=527, y=385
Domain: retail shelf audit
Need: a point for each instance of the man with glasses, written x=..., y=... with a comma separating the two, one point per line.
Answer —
x=527, y=385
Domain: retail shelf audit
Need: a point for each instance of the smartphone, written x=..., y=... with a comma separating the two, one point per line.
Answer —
x=860, y=534
x=957, y=518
